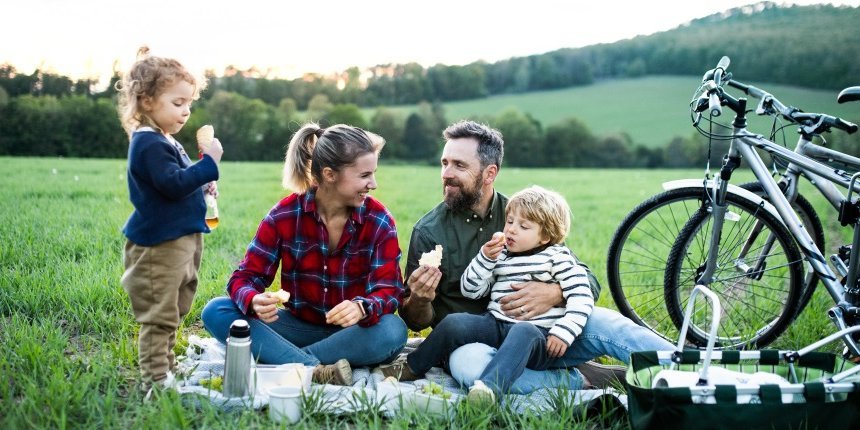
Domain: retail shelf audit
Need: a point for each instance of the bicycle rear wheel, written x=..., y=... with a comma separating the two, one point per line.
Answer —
x=758, y=278
x=809, y=218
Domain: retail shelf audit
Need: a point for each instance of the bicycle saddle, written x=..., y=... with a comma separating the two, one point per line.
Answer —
x=849, y=94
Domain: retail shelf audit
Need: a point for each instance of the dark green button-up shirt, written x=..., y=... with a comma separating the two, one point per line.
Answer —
x=461, y=234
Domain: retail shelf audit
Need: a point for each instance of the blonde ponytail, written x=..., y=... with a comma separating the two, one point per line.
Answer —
x=297, y=163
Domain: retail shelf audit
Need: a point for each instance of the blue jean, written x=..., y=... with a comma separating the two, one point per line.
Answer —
x=478, y=357
x=520, y=345
x=291, y=340
x=606, y=332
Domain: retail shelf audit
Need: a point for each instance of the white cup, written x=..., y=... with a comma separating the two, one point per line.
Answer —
x=285, y=403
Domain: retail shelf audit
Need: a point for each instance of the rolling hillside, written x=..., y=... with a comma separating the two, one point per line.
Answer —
x=652, y=110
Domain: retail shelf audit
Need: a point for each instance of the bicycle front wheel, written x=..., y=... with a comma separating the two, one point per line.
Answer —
x=758, y=277
x=637, y=256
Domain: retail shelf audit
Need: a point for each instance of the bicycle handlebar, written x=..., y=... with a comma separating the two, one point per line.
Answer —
x=810, y=123
x=713, y=96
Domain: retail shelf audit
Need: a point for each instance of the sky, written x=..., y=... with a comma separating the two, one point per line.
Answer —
x=86, y=38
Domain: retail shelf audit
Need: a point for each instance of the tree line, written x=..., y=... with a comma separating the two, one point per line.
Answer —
x=47, y=114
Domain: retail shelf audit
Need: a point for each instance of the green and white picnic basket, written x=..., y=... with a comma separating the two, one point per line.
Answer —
x=695, y=389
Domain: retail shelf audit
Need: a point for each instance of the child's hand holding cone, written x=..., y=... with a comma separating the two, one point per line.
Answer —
x=208, y=144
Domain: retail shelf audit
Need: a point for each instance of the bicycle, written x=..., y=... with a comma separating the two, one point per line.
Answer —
x=755, y=257
x=640, y=246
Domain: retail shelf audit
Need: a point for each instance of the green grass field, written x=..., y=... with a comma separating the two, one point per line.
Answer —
x=67, y=337
x=652, y=110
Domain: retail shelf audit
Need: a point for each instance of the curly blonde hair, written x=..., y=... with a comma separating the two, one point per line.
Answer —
x=147, y=78
x=546, y=208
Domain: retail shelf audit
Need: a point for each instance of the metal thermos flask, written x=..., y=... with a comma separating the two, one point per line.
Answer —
x=237, y=365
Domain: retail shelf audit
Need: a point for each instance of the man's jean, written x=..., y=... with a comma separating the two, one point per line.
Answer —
x=606, y=332
x=291, y=340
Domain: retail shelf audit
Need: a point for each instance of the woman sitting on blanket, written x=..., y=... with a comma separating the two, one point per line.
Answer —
x=339, y=259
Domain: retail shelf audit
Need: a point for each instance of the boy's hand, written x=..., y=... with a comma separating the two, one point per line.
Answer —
x=494, y=246
x=345, y=314
x=264, y=305
x=214, y=150
x=555, y=347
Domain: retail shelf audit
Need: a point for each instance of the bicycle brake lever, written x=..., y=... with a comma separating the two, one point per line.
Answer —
x=764, y=106
x=813, y=129
x=702, y=103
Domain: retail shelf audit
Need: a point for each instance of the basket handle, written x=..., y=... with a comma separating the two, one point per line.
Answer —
x=712, y=337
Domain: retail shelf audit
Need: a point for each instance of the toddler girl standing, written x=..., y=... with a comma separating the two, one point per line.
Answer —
x=164, y=232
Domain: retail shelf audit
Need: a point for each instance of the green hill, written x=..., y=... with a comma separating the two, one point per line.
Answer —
x=652, y=110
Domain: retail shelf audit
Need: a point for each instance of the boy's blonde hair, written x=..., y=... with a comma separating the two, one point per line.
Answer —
x=147, y=78
x=546, y=208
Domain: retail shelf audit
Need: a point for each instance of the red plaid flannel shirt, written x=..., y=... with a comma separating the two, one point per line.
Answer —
x=364, y=266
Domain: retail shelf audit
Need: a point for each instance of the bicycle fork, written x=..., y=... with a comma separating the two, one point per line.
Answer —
x=718, y=209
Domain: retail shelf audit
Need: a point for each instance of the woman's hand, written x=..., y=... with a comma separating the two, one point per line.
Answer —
x=345, y=314
x=265, y=306
x=555, y=347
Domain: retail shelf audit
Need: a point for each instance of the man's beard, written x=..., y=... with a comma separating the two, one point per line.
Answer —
x=465, y=198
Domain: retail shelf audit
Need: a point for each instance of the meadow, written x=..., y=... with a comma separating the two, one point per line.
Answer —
x=652, y=110
x=67, y=336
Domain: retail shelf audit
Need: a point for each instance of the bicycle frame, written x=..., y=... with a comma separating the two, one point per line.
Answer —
x=827, y=188
x=824, y=177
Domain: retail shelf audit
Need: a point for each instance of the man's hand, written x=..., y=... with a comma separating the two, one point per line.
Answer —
x=265, y=306
x=417, y=308
x=531, y=299
x=345, y=314
x=555, y=347
x=422, y=284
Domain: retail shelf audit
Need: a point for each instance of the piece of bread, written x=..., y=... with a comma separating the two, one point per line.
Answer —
x=205, y=136
x=499, y=236
x=281, y=295
x=432, y=258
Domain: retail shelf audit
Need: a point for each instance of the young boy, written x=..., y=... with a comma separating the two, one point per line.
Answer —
x=530, y=249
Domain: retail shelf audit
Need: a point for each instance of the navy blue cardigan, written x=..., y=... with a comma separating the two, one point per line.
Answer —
x=165, y=188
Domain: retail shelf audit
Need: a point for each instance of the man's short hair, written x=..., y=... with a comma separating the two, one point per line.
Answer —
x=491, y=146
x=546, y=208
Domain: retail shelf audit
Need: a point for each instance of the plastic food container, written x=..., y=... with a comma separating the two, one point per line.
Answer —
x=265, y=377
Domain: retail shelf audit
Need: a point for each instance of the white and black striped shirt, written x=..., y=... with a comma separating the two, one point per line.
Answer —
x=554, y=264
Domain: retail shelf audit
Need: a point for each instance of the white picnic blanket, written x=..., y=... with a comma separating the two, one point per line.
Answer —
x=204, y=358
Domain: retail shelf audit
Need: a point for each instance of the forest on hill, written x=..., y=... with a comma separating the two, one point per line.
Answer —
x=44, y=114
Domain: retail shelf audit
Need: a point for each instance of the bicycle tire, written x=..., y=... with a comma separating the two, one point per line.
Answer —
x=811, y=221
x=638, y=252
x=756, y=309
x=635, y=267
